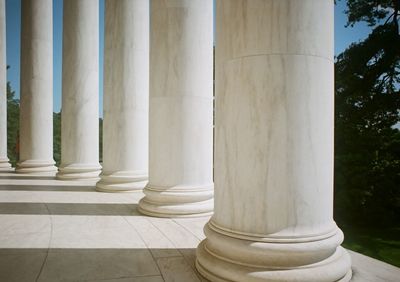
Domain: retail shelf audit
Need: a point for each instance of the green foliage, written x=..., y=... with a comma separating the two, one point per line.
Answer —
x=101, y=140
x=370, y=11
x=13, y=130
x=382, y=244
x=367, y=138
x=12, y=124
x=57, y=137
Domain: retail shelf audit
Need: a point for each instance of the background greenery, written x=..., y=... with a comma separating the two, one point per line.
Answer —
x=367, y=136
x=13, y=130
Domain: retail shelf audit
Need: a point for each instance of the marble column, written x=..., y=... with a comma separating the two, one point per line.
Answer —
x=36, y=98
x=181, y=109
x=126, y=96
x=4, y=164
x=273, y=218
x=80, y=91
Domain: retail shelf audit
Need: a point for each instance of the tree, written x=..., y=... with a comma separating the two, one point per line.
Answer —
x=100, y=140
x=367, y=136
x=13, y=129
x=57, y=137
x=12, y=124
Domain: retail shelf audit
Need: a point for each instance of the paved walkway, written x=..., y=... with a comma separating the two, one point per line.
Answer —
x=65, y=231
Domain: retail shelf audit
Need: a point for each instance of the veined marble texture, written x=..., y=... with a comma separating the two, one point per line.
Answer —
x=80, y=91
x=36, y=101
x=126, y=96
x=275, y=27
x=273, y=215
x=181, y=109
x=4, y=164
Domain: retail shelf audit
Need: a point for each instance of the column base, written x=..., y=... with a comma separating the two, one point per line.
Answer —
x=222, y=258
x=5, y=166
x=79, y=172
x=177, y=201
x=37, y=167
x=122, y=181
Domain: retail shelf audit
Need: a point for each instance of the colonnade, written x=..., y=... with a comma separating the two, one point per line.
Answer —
x=273, y=149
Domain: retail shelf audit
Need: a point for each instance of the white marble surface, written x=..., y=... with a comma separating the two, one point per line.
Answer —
x=366, y=269
x=126, y=96
x=181, y=109
x=291, y=28
x=80, y=91
x=274, y=145
x=4, y=164
x=52, y=230
x=36, y=101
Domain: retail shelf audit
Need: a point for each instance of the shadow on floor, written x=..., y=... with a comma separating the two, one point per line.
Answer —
x=13, y=175
x=124, y=209
x=38, y=187
x=141, y=265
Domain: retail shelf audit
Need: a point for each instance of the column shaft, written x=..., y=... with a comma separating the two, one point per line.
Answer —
x=36, y=98
x=80, y=91
x=126, y=96
x=181, y=109
x=273, y=217
x=4, y=164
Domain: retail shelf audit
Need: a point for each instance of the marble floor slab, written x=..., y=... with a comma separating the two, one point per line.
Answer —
x=53, y=230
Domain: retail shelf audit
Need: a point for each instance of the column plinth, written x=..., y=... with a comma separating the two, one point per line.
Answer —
x=178, y=201
x=44, y=167
x=181, y=110
x=80, y=91
x=227, y=256
x=126, y=96
x=122, y=181
x=79, y=171
x=5, y=165
x=274, y=118
x=36, y=101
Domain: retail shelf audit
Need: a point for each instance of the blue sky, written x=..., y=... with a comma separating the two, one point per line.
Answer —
x=343, y=38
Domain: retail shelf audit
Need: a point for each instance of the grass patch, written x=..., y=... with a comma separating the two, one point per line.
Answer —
x=382, y=244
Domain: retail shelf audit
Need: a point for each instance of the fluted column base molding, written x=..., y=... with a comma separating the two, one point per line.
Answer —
x=79, y=172
x=122, y=181
x=5, y=165
x=40, y=167
x=225, y=256
x=177, y=201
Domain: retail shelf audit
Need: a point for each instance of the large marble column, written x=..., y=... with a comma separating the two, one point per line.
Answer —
x=273, y=218
x=80, y=91
x=4, y=164
x=181, y=109
x=126, y=96
x=36, y=98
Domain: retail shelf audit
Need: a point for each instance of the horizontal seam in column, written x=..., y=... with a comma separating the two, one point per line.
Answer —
x=280, y=54
x=45, y=79
x=37, y=38
x=182, y=96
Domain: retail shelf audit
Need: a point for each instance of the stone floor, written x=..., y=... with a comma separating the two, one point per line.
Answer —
x=65, y=231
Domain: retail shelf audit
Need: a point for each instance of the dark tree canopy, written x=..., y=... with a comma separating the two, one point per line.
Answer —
x=367, y=136
x=12, y=124
x=13, y=129
x=372, y=11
